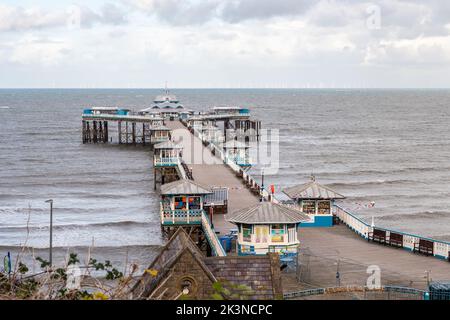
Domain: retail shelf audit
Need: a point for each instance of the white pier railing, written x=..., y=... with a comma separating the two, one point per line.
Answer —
x=441, y=249
x=219, y=152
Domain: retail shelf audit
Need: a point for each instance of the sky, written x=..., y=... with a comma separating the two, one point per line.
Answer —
x=225, y=44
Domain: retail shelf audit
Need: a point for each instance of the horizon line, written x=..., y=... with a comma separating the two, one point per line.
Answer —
x=226, y=88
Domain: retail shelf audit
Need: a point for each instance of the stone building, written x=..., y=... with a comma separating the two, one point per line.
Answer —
x=182, y=271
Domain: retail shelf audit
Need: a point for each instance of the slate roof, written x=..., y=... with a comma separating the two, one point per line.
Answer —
x=177, y=245
x=261, y=274
x=182, y=187
x=268, y=212
x=312, y=190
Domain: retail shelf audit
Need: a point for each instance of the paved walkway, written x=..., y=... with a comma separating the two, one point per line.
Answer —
x=322, y=247
x=208, y=170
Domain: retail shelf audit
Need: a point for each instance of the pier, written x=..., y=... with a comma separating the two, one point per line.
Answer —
x=201, y=183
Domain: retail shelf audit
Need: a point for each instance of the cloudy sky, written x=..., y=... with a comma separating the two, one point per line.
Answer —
x=225, y=43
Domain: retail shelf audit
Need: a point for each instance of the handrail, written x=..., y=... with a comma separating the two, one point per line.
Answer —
x=232, y=164
x=325, y=290
x=212, y=237
x=180, y=216
x=441, y=248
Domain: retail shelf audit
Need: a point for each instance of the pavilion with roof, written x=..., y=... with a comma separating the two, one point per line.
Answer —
x=316, y=201
x=267, y=227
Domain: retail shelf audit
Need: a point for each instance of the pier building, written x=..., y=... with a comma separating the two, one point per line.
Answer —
x=316, y=201
x=267, y=227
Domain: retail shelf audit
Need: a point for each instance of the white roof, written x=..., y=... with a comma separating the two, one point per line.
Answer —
x=312, y=190
x=268, y=213
x=184, y=187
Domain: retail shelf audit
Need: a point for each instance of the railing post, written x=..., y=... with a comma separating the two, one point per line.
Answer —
x=173, y=216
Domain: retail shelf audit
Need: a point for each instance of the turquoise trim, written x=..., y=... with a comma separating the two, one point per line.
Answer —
x=319, y=222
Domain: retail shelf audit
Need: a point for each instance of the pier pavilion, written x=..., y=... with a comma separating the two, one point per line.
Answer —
x=267, y=227
x=167, y=154
x=182, y=204
x=159, y=134
x=316, y=201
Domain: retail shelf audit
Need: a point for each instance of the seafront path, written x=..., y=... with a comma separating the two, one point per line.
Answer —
x=324, y=251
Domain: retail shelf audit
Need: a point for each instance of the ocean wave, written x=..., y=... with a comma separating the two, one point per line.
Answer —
x=415, y=215
x=78, y=225
x=372, y=183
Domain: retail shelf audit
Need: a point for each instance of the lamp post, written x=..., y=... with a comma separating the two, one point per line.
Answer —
x=262, y=185
x=51, y=232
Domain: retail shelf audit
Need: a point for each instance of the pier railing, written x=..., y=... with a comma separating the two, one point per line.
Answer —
x=392, y=292
x=174, y=217
x=211, y=236
x=440, y=249
x=173, y=161
x=251, y=182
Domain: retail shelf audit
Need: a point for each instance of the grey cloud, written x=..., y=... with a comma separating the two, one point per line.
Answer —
x=236, y=11
x=21, y=19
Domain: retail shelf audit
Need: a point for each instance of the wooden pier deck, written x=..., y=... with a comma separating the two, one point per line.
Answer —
x=210, y=171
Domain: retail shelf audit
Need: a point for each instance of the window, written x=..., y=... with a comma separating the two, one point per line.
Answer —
x=180, y=203
x=277, y=233
x=262, y=234
x=309, y=206
x=247, y=232
x=323, y=207
x=194, y=203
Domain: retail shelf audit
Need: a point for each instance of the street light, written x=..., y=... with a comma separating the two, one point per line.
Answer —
x=51, y=231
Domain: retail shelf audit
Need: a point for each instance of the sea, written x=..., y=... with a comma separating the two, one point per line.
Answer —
x=387, y=151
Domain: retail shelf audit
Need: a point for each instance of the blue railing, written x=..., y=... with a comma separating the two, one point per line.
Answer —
x=173, y=217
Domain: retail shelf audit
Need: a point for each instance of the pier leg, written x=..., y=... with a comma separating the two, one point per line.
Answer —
x=83, y=133
x=119, y=130
x=105, y=133
x=133, y=133
x=100, y=131
x=143, y=134
x=94, y=133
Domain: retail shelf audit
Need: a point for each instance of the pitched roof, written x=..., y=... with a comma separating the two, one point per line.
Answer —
x=167, y=145
x=261, y=274
x=184, y=186
x=312, y=190
x=268, y=212
x=178, y=244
